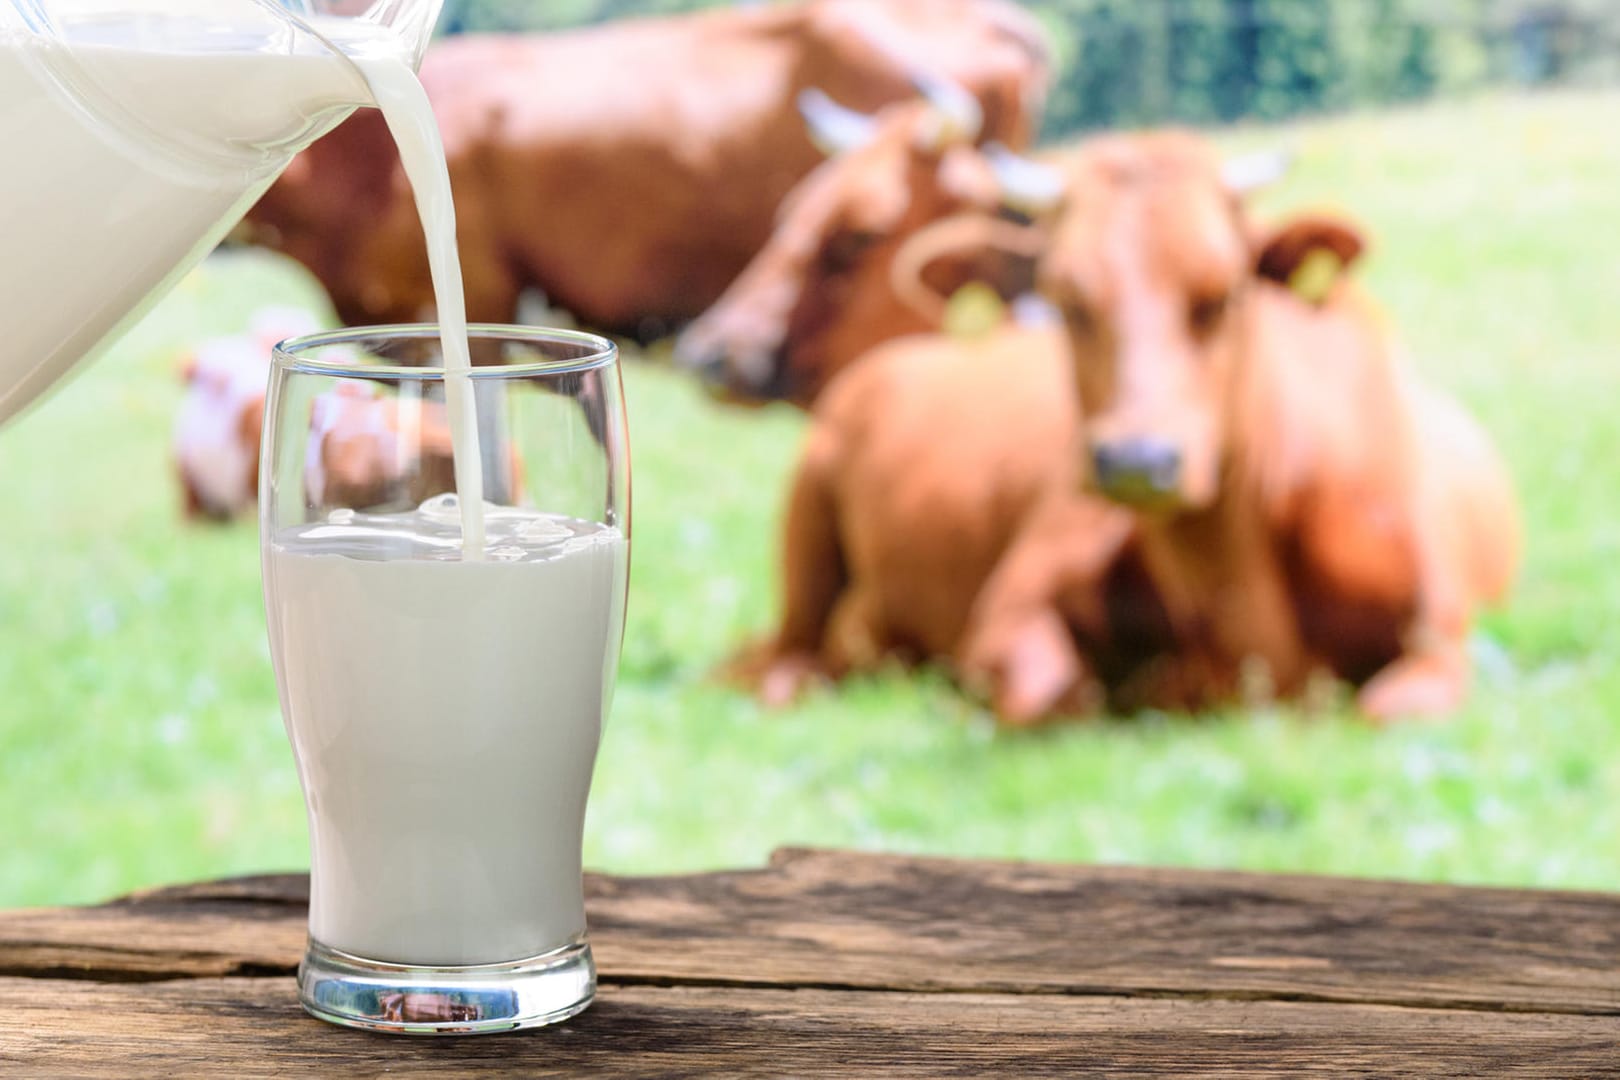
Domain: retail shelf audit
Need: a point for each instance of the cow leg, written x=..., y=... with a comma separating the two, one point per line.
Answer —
x=1431, y=676
x=1462, y=506
x=1469, y=541
x=855, y=638
x=193, y=505
x=1019, y=650
x=813, y=580
x=1032, y=671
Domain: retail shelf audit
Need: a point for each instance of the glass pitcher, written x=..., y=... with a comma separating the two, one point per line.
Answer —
x=137, y=132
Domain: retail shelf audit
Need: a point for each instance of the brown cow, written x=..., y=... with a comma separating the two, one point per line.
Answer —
x=1301, y=503
x=921, y=462
x=926, y=458
x=366, y=450
x=372, y=451
x=821, y=293
x=630, y=171
x=216, y=430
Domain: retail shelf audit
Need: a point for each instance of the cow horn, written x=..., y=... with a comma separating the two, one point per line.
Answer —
x=1251, y=172
x=951, y=236
x=834, y=128
x=1023, y=27
x=1027, y=33
x=1025, y=185
x=964, y=117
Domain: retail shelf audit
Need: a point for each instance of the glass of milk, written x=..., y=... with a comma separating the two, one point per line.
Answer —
x=445, y=701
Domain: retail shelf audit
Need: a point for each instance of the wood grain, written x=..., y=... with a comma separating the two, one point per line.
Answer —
x=245, y=1027
x=846, y=921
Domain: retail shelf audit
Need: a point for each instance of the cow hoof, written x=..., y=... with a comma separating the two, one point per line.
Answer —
x=785, y=680
x=776, y=678
x=1083, y=697
x=1412, y=692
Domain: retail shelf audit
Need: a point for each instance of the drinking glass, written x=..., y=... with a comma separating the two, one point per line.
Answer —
x=445, y=710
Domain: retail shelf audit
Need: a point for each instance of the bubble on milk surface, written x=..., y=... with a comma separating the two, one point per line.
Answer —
x=442, y=509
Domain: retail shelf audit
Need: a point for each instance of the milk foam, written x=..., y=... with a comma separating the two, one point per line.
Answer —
x=446, y=716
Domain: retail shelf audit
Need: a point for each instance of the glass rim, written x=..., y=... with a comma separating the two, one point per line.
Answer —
x=287, y=356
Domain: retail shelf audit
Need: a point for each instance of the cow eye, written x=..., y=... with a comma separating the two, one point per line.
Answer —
x=1079, y=319
x=849, y=246
x=858, y=240
x=1206, y=312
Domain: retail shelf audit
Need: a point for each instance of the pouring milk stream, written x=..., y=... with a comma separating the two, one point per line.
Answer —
x=405, y=106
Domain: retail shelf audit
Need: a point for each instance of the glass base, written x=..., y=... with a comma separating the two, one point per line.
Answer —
x=478, y=999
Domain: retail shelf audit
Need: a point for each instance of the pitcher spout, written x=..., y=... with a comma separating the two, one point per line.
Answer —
x=409, y=22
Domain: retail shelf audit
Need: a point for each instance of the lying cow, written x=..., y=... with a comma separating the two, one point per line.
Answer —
x=821, y=293
x=923, y=457
x=216, y=433
x=365, y=450
x=923, y=465
x=371, y=451
x=1301, y=503
x=921, y=462
x=630, y=171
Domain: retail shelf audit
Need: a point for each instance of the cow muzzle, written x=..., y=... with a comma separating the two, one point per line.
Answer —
x=1138, y=471
x=702, y=359
x=728, y=372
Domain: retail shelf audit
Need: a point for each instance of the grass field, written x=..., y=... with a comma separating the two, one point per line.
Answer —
x=140, y=740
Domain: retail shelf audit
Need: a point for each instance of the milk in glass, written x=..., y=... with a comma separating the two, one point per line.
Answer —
x=446, y=716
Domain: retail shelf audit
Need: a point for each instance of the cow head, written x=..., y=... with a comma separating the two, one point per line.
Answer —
x=818, y=294
x=1154, y=267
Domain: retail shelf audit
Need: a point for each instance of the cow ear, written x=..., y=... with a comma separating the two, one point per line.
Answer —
x=1309, y=254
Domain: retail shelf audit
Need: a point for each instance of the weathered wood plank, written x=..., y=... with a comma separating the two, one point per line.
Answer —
x=253, y=1027
x=839, y=920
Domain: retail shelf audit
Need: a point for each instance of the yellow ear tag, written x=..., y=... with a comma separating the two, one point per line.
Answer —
x=974, y=311
x=1316, y=275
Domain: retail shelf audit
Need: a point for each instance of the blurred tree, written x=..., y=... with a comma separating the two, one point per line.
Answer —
x=1212, y=50
x=1137, y=62
x=469, y=15
x=1291, y=57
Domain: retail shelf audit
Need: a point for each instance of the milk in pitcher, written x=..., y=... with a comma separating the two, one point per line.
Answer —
x=132, y=144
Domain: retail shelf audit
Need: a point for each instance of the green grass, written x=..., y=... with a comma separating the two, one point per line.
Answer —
x=140, y=740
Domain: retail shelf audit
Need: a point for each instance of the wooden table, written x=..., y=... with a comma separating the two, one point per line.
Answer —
x=875, y=965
